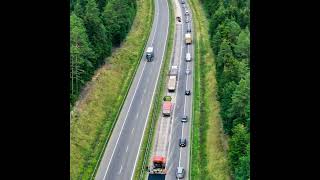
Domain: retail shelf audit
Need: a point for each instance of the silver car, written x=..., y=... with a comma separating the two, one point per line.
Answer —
x=188, y=71
x=180, y=173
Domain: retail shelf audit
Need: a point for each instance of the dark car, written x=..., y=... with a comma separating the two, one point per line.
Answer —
x=188, y=92
x=189, y=29
x=182, y=142
x=184, y=118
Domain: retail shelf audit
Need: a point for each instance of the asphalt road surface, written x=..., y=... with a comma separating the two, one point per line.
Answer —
x=179, y=156
x=120, y=157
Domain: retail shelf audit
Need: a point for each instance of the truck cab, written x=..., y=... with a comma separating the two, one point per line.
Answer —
x=158, y=165
x=149, y=53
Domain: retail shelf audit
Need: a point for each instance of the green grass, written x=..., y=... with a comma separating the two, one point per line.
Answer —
x=93, y=120
x=209, y=159
x=148, y=139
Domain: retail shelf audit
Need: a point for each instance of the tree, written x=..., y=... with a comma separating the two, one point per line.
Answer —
x=238, y=144
x=242, y=172
x=117, y=17
x=217, y=18
x=240, y=100
x=242, y=46
x=244, y=17
x=79, y=8
x=225, y=100
x=80, y=55
x=97, y=34
x=231, y=31
x=224, y=55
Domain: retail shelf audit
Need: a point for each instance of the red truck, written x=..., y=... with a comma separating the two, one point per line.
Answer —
x=158, y=165
x=166, y=108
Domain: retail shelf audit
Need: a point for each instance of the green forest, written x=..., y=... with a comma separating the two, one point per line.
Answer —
x=96, y=26
x=229, y=22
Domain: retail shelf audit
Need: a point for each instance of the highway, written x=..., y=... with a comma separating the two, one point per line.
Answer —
x=121, y=155
x=179, y=156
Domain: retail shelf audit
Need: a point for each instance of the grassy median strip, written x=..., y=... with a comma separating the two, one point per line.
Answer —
x=148, y=139
x=209, y=160
x=92, y=122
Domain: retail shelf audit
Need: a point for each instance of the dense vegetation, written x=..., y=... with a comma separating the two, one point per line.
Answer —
x=230, y=41
x=93, y=119
x=96, y=27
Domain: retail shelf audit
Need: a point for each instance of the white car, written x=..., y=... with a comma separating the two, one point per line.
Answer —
x=187, y=13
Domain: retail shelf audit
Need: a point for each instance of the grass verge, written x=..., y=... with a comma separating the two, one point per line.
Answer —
x=209, y=159
x=148, y=138
x=92, y=122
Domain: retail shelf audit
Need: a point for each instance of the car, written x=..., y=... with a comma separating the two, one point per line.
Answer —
x=182, y=142
x=182, y=2
x=188, y=57
x=184, y=118
x=167, y=98
x=187, y=13
x=189, y=29
x=180, y=173
x=188, y=92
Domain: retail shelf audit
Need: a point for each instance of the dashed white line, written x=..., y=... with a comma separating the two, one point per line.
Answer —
x=132, y=131
x=120, y=170
x=127, y=148
x=124, y=122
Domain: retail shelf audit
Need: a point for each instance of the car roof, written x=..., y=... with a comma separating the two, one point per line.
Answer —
x=180, y=169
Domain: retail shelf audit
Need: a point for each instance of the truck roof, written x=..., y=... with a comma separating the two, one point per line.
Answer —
x=167, y=105
x=188, y=35
x=149, y=49
x=158, y=159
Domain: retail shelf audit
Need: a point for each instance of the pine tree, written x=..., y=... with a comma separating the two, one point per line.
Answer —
x=97, y=34
x=224, y=56
x=240, y=100
x=238, y=144
x=225, y=101
x=242, y=171
x=242, y=46
x=80, y=54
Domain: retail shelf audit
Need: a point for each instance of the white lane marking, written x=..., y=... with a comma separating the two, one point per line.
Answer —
x=127, y=148
x=124, y=121
x=144, y=91
x=154, y=90
x=132, y=131
x=180, y=147
x=120, y=170
x=137, y=115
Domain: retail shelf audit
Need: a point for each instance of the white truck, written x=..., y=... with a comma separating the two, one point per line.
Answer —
x=174, y=71
x=172, y=83
x=188, y=38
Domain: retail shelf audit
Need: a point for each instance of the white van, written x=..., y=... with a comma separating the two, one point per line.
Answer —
x=188, y=57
